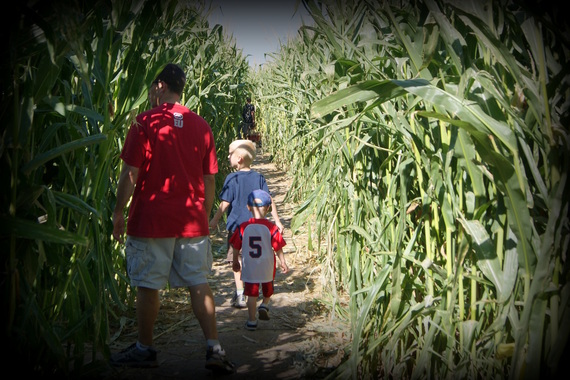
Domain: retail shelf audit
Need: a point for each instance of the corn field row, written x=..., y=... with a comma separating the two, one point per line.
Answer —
x=431, y=159
x=428, y=142
x=79, y=73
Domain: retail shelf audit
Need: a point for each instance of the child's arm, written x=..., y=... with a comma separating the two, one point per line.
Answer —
x=216, y=219
x=281, y=257
x=235, y=265
x=275, y=216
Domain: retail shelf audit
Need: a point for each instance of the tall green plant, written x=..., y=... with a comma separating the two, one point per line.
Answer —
x=79, y=74
x=430, y=164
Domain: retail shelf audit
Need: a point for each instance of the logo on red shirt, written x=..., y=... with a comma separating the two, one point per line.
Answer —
x=178, y=120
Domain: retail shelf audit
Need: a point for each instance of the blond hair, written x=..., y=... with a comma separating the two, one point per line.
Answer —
x=245, y=148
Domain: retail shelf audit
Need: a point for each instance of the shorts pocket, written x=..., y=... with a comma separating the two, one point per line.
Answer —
x=137, y=258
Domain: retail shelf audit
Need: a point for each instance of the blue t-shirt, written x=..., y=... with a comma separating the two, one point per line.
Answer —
x=237, y=186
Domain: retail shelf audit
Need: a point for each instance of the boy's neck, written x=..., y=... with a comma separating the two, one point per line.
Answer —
x=244, y=169
x=259, y=212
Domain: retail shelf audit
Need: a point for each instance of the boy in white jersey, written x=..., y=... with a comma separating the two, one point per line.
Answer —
x=260, y=242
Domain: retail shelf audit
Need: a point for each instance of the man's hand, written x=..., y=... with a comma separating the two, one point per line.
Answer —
x=125, y=188
x=213, y=225
x=118, y=226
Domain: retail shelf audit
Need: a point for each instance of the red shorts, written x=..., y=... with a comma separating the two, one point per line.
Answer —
x=252, y=290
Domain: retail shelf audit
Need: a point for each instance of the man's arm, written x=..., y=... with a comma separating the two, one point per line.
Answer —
x=209, y=192
x=125, y=188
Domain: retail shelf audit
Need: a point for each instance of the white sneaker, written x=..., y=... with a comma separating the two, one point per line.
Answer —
x=239, y=301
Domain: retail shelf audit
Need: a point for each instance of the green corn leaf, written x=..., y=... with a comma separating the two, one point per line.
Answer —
x=372, y=295
x=487, y=259
x=32, y=230
x=507, y=180
x=75, y=203
x=380, y=91
x=42, y=158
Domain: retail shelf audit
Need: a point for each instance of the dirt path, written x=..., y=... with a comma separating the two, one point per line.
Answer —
x=298, y=342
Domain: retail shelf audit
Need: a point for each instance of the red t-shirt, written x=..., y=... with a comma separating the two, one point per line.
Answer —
x=173, y=148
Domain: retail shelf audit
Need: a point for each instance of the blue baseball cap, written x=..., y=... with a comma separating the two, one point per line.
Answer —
x=259, y=198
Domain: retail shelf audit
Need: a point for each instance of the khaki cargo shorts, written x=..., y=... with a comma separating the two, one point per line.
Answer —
x=182, y=262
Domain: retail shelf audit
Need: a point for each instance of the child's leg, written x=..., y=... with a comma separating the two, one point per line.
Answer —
x=251, y=308
x=238, y=281
x=237, y=275
x=264, y=307
x=238, y=300
x=267, y=288
x=252, y=292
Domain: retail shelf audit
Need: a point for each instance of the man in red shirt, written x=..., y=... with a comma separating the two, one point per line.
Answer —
x=169, y=166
